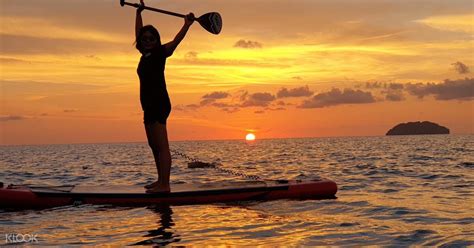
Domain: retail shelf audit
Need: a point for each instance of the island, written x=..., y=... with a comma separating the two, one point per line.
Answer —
x=415, y=128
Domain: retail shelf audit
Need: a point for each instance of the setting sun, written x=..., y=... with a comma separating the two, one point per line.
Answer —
x=250, y=137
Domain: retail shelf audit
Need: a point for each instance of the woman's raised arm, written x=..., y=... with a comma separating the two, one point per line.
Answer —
x=171, y=46
x=138, y=19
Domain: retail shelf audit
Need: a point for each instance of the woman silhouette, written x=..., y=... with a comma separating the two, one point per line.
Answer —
x=154, y=97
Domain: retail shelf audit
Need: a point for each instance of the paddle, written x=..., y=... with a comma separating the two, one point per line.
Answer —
x=212, y=21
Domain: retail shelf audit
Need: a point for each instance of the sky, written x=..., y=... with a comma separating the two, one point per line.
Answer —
x=278, y=69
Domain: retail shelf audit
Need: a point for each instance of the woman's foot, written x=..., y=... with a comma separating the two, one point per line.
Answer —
x=159, y=189
x=152, y=185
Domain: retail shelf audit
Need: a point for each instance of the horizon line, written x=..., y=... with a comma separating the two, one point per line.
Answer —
x=207, y=140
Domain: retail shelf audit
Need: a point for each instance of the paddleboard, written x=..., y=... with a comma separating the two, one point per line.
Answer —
x=30, y=196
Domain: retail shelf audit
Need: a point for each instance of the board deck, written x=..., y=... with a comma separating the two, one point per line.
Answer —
x=136, y=189
x=30, y=196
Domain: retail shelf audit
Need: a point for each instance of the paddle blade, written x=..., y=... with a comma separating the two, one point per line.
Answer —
x=212, y=22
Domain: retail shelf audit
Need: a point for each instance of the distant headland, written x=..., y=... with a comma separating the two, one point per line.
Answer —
x=414, y=128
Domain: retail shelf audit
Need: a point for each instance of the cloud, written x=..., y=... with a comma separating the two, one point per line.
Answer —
x=295, y=92
x=216, y=95
x=191, y=55
x=178, y=107
x=380, y=85
x=12, y=118
x=205, y=102
x=243, y=96
x=13, y=61
x=231, y=110
x=257, y=99
x=395, y=86
x=460, y=67
x=461, y=89
x=94, y=57
x=275, y=109
x=224, y=105
x=394, y=96
x=212, y=97
x=282, y=103
x=13, y=87
x=450, y=23
x=338, y=97
x=392, y=91
x=48, y=29
x=248, y=44
x=227, y=107
x=194, y=106
x=242, y=99
x=374, y=85
x=14, y=45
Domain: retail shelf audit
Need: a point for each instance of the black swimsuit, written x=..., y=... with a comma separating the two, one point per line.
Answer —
x=154, y=97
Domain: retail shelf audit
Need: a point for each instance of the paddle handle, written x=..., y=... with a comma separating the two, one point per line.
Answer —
x=136, y=5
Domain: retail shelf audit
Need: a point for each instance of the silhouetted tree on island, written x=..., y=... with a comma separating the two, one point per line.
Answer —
x=414, y=128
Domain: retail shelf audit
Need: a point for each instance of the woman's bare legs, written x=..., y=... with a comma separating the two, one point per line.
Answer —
x=158, y=141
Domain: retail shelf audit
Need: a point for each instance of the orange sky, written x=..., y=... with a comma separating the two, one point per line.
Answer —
x=300, y=68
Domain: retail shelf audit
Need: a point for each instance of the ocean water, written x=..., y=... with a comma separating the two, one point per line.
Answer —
x=393, y=191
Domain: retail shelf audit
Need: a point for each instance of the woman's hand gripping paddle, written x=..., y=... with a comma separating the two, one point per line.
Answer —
x=212, y=21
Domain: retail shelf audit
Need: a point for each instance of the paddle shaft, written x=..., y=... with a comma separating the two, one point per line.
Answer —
x=136, y=5
x=212, y=21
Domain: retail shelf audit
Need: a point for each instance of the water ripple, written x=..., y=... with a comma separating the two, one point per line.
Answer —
x=393, y=191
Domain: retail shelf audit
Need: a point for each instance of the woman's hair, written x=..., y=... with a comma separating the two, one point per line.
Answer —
x=153, y=31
